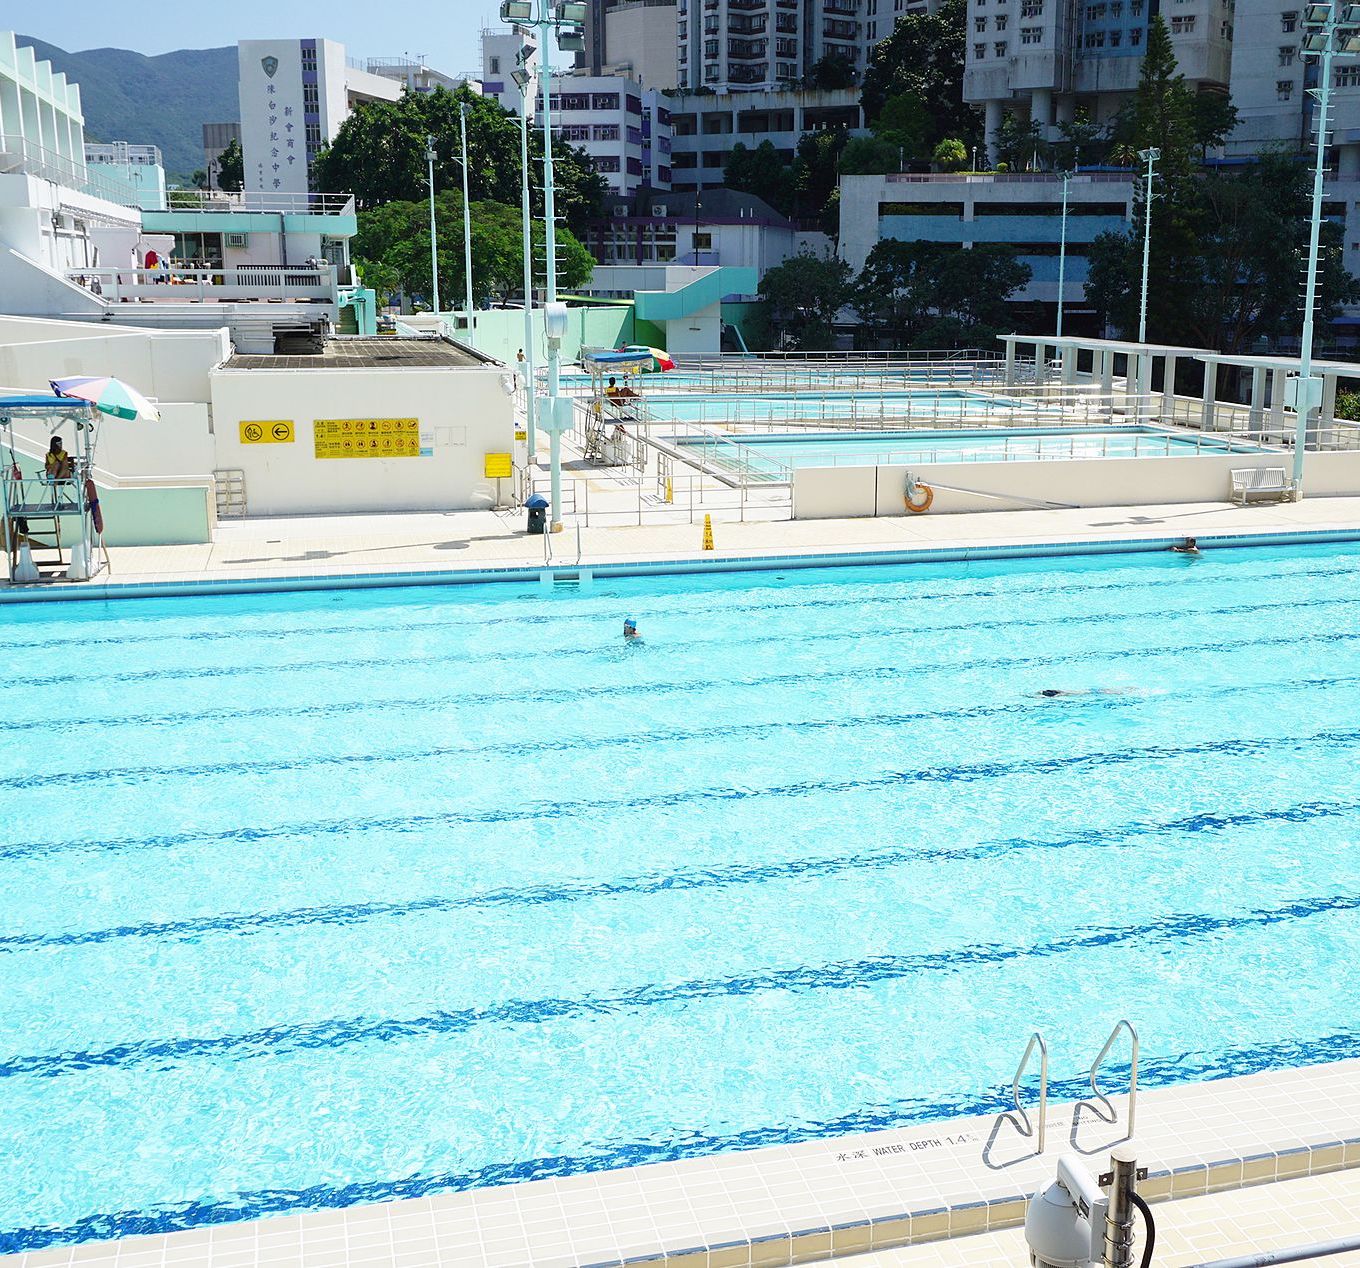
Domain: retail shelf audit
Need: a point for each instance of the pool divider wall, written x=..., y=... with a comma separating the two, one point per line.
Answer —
x=550, y=579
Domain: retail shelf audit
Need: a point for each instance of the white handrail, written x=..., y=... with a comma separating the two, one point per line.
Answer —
x=1122, y=1024
x=1027, y=1129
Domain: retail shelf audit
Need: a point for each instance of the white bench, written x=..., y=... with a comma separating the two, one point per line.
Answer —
x=1250, y=482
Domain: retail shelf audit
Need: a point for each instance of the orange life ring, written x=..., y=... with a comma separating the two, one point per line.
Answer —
x=918, y=508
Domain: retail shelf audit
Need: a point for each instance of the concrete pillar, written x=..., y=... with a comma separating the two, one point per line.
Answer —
x=1256, y=412
x=1210, y=396
x=991, y=121
x=1009, y=376
x=1169, y=386
x=1069, y=365
x=1105, y=368
x=1144, y=386
x=1040, y=358
x=1277, y=379
x=1041, y=110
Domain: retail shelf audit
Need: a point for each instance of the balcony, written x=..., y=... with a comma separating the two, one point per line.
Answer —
x=235, y=283
x=745, y=50
x=747, y=6
x=20, y=156
x=749, y=74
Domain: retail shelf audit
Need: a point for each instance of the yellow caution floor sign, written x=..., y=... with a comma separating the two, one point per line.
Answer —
x=708, y=532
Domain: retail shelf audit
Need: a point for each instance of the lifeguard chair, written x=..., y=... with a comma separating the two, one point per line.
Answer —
x=607, y=414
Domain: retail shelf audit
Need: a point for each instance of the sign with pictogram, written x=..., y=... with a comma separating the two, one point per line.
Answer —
x=267, y=431
x=367, y=437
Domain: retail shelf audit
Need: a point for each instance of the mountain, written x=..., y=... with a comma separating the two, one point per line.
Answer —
x=163, y=100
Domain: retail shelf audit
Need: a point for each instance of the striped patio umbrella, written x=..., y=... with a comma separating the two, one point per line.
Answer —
x=661, y=360
x=109, y=396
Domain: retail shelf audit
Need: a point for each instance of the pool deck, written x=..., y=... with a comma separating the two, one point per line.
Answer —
x=340, y=549
x=799, y=1203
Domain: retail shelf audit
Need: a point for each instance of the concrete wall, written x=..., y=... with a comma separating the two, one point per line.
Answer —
x=464, y=414
x=841, y=492
x=644, y=37
x=500, y=332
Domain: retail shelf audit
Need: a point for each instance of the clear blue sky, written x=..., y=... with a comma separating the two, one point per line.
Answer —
x=446, y=32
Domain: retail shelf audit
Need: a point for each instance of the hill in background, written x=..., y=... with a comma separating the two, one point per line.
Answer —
x=163, y=100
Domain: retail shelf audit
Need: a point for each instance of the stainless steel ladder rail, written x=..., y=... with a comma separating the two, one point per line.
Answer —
x=1036, y=1040
x=1122, y=1024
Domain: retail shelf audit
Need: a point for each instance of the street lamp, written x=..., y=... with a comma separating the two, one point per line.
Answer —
x=1149, y=156
x=1062, y=255
x=1331, y=29
x=524, y=81
x=434, y=240
x=467, y=229
x=565, y=18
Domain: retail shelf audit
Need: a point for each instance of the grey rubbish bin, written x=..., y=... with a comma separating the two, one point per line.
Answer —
x=538, y=513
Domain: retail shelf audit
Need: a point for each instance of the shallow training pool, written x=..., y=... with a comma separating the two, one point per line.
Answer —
x=774, y=454
x=324, y=898
x=844, y=405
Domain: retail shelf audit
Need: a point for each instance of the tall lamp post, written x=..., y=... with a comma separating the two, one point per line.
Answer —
x=467, y=229
x=1330, y=29
x=1062, y=256
x=524, y=80
x=1149, y=156
x=434, y=240
x=567, y=19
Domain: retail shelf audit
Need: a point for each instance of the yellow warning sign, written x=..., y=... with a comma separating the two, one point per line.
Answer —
x=496, y=466
x=521, y=435
x=367, y=437
x=267, y=431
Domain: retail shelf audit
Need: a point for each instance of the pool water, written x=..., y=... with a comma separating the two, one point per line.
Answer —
x=844, y=404
x=326, y=898
x=775, y=453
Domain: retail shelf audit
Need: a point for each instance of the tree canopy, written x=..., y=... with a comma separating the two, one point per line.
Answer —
x=231, y=167
x=379, y=156
x=802, y=296
x=392, y=250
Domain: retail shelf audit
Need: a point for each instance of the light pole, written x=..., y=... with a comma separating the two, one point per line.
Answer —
x=1149, y=156
x=567, y=18
x=1062, y=255
x=1331, y=29
x=467, y=229
x=434, y=240
x=524, y=80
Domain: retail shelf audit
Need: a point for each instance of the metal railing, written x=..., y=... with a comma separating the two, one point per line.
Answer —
x=19, y=155
x=1122, y=1024
x=236, y=281
x=251, y=200
x=1027, y=1127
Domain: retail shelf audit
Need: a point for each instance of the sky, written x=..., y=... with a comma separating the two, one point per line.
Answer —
x=447, y=33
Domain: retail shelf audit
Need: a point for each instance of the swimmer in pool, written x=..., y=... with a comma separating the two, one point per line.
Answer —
x=630, y=630
x=1051, y=693
x=1187, y=547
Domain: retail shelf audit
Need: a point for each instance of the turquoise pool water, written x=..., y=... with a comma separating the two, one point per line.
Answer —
x=324, y=898
x=771, y=454
x=831, y=404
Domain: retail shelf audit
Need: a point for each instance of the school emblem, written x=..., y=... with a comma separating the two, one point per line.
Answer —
x=270, y=64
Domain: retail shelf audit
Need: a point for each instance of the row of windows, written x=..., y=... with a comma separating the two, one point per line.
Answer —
x=983, y=209
x=1112, y=39
x=1183, y=25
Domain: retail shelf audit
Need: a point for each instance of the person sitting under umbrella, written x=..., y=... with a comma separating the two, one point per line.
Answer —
x=57, y=463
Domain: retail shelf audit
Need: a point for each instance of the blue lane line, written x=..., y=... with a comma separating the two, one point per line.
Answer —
x=688, y=1141
x=596, y=808
x=341, y=1032
x=710, y=877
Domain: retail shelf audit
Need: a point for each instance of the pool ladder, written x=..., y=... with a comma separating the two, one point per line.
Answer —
x=1028, y=1127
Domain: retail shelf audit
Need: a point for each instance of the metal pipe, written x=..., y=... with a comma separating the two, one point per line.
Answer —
x=1292, y=1255
x=550, y=268
x=434, y=240
x=467, y=230
x=1119, y=1218
x=531, y=382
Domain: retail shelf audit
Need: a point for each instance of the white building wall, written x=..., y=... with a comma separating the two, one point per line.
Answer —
x=640, y=41
x=273, y=133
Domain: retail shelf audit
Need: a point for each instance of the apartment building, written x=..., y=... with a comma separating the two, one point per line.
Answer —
x=624, y=128
x=1045, y=59
x=294, y=96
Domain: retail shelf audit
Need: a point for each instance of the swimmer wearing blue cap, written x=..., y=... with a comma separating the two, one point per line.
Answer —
x=630, y=629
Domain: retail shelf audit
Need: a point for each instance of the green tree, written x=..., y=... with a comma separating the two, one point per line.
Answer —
x=392, y=249
x=199, y=180
x=923, y=60
x=231, y=168
x=932, y=294
x=1163, y=113
x=951, y=155
x=1020, y=144
x=379, y=156
x=832, y=71
x=869, y=155
x=1083, y=141
x=815, y=171
x=904, y=123
x=761, y=172
x=801, y=297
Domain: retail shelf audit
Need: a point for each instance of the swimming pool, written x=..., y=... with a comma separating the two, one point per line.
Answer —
x=774, y=454
x=322, y=898
x=925, y=404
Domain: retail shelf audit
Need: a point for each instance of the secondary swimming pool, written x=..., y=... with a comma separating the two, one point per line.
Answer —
x=776, y=454
x=831, y=405
x=323, y=898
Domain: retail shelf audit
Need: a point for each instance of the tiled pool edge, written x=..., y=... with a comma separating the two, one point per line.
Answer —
x=988, y=1215
x=604, y=568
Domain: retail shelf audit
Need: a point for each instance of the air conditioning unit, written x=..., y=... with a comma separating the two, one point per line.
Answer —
x=235, y=239
x=620, y=209
x=658, y=209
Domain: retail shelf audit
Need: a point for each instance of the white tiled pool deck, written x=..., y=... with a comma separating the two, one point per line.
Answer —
x=797, y=1203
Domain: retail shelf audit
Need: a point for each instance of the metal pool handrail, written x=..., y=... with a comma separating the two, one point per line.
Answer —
x=1122, y=1024
x=1027, y=1129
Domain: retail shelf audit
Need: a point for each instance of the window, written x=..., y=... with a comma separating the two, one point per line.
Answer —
x=979, y=25
x=1284, y=89
x=310, y=99
x=999, y=48
x=1182, y=26
x=1095, y=12
x=786, y=70
x=1289, y=21
x=1000, y=21
x=1347, y=76
x=1032, y=9
x=605, y=132
x=1135, y=38
x=1287, y=55
x=710, y=73
x=703, y=242
x=979, y=52
x=495, y=65
x=604, y=101
x=1115, y=38
x=1031, y=34
x=606, y=163
x=1117, y=9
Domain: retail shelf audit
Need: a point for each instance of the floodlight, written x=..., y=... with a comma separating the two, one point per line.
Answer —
x=571, y=41
x=521, y=79
x=1352, y=44
x=516, y=10
x=571, y=11
x=526, y=51
x=1350, y=15
x=1317, y=14
x=1315, y=43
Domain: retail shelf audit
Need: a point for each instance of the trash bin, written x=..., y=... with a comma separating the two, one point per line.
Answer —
x=538, y=513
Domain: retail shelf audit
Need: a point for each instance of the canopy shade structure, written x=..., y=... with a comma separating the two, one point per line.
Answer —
x=109, y=396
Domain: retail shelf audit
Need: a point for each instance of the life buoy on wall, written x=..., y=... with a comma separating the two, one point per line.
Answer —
x=910, y=493
x=92, y=501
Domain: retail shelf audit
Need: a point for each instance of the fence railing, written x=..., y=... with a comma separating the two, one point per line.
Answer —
x=232, y=282
x=19, y=155
x=216, y=200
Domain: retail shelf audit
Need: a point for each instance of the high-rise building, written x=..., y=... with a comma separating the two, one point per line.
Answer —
x=294, y=96
x=1045, y=59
